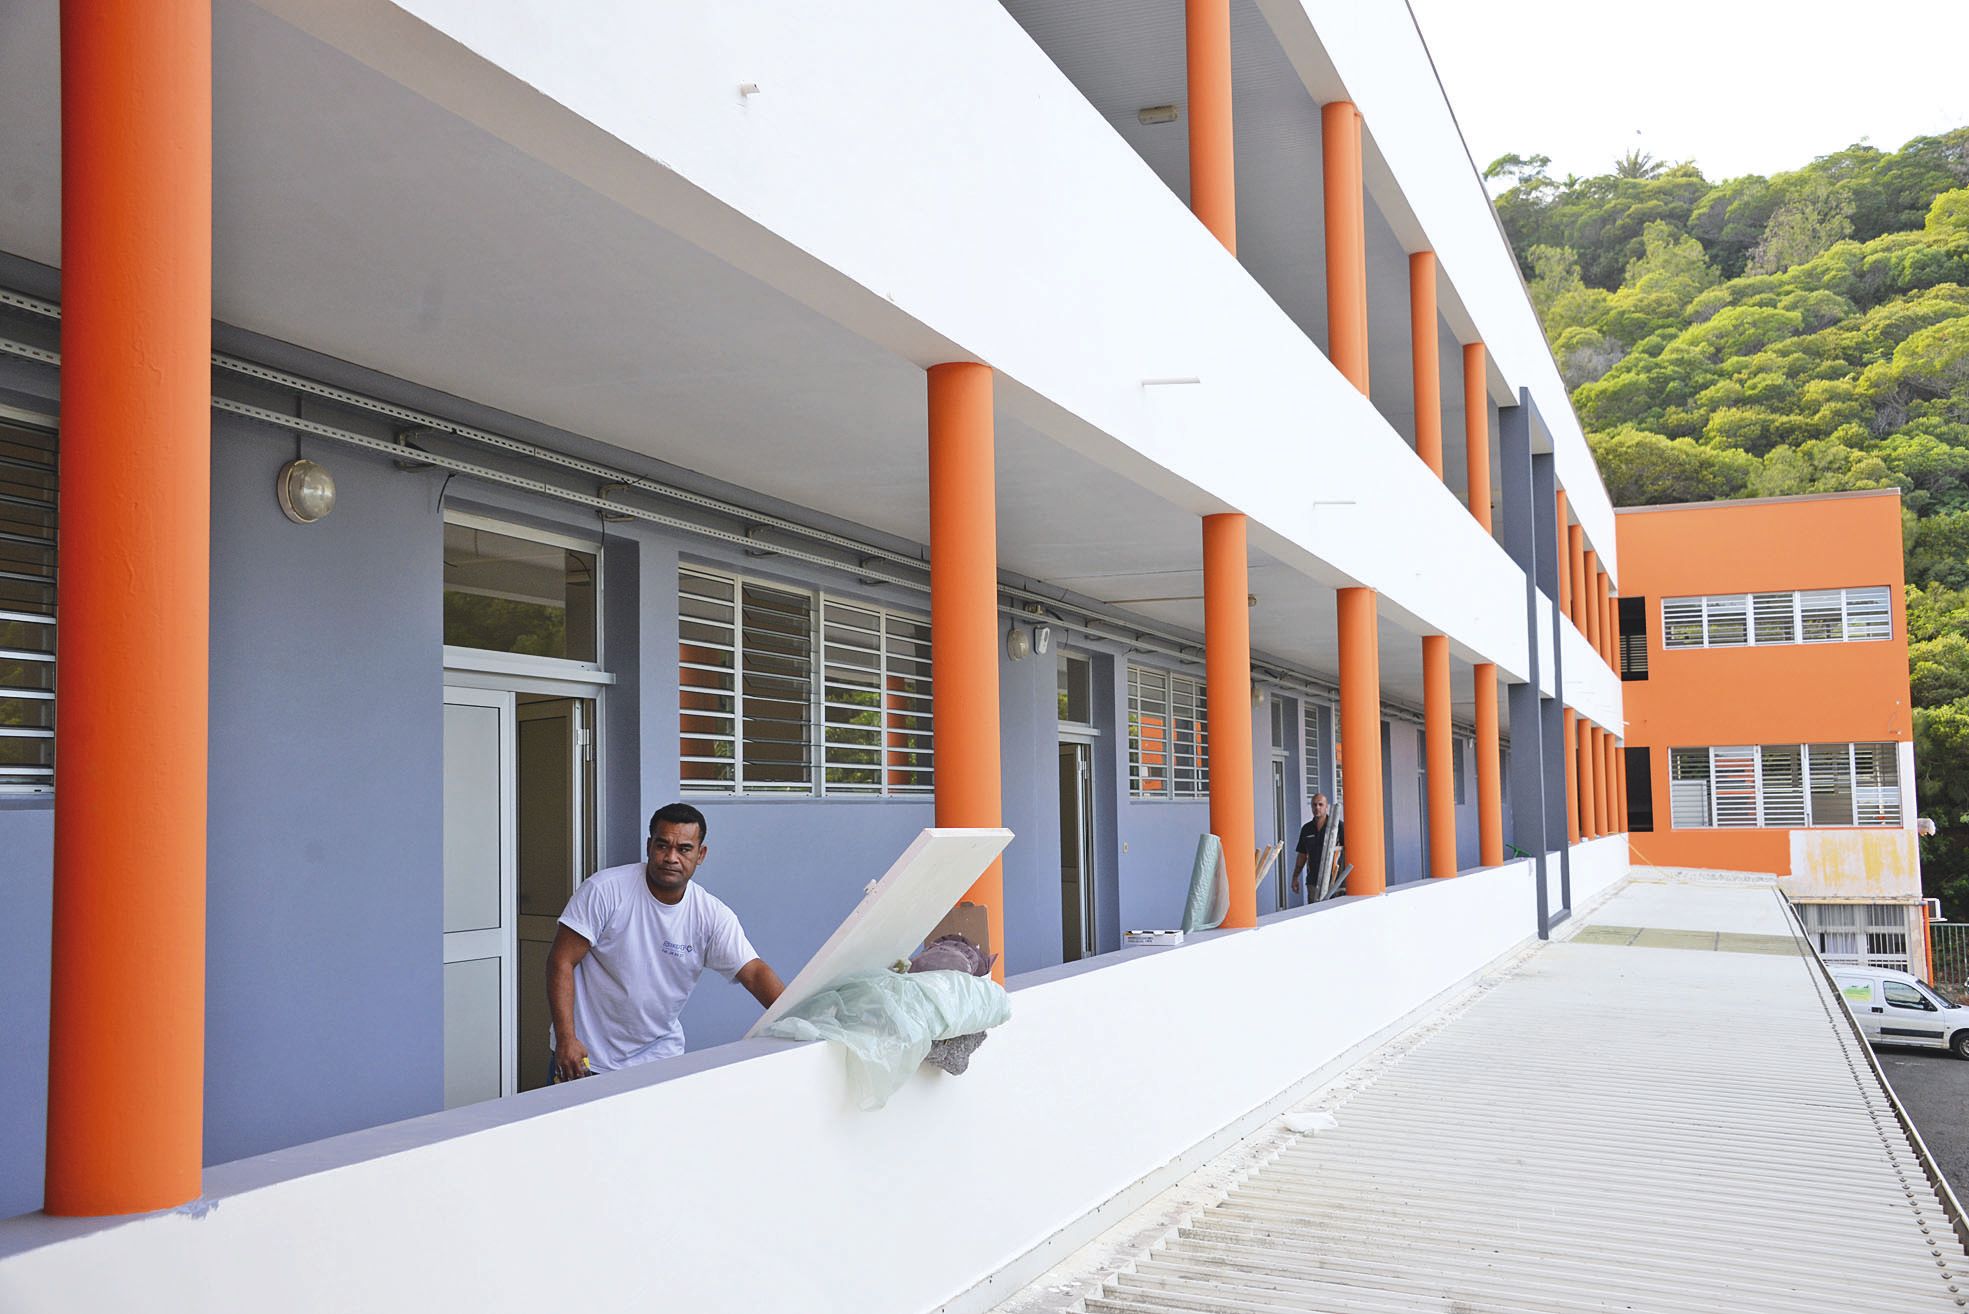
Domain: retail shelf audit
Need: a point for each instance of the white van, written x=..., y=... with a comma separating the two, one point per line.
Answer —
x=1897, y=1009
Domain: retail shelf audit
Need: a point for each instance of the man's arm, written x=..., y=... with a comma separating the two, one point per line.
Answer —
x=759, y=977
x=570, y=1055
x=1298, y=865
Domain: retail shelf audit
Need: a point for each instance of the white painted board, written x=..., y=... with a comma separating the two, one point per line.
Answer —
x=891, y=920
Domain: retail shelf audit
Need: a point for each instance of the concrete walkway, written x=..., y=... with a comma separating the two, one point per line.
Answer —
x=1666, y=1111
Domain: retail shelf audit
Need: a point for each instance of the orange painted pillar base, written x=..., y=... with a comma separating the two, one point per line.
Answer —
x=126, y=1038
x=1490, y=782
x=1438, y=741
x=1227, y=673
x=964, y=619
x=1360, y=732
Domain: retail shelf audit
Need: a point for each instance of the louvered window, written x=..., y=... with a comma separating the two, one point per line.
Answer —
x=1688, y=788
x=1633, y=638
x=1728, y=618
x=1733, y=784
x=1876, y=785
x=27, y=608
x=1309, y=741
x=1681, y=623
x=1781, y=785
x=1168, y=740
x=875, y=701
x=787, y=692
x=1774, y=617
x=1733, y=620
x=1785, y=786
x=1831, y=768
x=1869, y=614
x=1822, y=616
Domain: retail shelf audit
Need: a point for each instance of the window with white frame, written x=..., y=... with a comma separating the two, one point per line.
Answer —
x=1859, y=934
x=1784, y=786
x=27, y=608
x=1168, y=735
x=1458, y=746
x=783, y=691
x=1737, y=620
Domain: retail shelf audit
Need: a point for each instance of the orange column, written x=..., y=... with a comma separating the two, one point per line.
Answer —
x=1438, y=743
x=1427, y=355
x=1592, y=599
x=1360, y=731
x=1613, y=630
x=1576, y=542
x=1213, y=174
x=1605, y=637
x=1565, y=561
x=1490, y=776
x=1620, y=783
x=964, y=618
x=1573, y=828
x=1227, y=671
x=1589, y=792
x=1346, y=244
x=1615, y=813
x=1610, y=627
x=126, y=1035
x=1476, y=432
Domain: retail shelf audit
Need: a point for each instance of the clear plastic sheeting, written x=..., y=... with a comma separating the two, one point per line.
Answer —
x=887, y=1021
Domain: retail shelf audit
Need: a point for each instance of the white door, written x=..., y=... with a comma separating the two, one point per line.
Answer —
x=480, y=946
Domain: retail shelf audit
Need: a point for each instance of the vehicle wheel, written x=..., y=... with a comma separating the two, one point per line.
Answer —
x=1958, y=1044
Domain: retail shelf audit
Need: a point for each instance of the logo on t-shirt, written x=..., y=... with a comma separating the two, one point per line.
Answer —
x=677, y=950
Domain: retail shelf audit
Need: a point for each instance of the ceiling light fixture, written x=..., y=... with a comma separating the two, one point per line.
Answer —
x=306, y=491
x=1150, y=115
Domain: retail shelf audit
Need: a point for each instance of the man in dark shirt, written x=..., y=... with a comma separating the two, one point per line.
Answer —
x=1312, y=836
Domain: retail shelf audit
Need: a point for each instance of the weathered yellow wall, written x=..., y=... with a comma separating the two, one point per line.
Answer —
x=1870, y=866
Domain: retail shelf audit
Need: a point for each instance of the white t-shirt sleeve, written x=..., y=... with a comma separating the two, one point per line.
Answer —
x=725, y=947
x=589, y=910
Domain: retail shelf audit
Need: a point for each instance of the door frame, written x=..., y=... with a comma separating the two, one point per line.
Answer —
x=1082, y=743
x=487, y=686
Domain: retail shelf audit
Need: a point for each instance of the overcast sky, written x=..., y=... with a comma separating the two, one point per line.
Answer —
x=1739, y=86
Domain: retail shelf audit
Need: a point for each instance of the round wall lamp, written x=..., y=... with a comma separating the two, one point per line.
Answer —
x=306, y=491
x=1018, y=644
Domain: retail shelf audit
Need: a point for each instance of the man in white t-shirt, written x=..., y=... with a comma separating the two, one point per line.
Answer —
x=632, y=942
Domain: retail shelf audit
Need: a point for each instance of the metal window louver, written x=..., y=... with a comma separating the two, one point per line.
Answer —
x=1681, y=623
x=27, y=607
x=786, y=692
x=1781, y=785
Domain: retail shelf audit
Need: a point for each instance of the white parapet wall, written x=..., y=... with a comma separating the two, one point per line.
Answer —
x=745, y=1179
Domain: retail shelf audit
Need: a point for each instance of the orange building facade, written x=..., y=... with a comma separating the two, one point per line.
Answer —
x=1765, y=679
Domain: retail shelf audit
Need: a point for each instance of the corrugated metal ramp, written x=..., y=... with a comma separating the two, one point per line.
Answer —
x=1666, y=1113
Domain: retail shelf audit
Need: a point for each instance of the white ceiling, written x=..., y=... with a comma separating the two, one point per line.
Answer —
x=358, y=220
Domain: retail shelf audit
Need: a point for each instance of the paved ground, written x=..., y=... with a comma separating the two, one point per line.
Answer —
x=1934, y=1089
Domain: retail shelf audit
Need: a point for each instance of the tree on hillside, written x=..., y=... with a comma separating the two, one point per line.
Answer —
x=1806, y=332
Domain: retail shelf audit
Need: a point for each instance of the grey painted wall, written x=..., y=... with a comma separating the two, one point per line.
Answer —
x=324, y=996
x=27, y=859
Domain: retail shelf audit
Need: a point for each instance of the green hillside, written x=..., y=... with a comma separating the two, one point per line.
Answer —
x=1807, y=332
